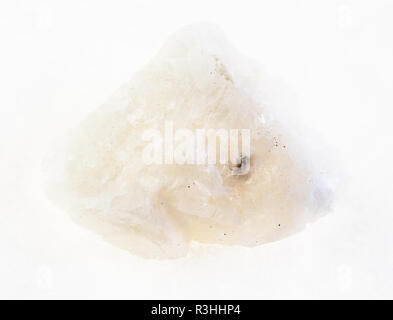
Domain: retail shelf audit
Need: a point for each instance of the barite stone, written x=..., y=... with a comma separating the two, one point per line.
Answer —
x=197, y=81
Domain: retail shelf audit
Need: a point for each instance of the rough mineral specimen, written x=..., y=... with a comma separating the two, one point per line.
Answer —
x=197, y=81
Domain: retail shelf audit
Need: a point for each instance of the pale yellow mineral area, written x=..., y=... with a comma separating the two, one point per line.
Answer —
x=154, y=207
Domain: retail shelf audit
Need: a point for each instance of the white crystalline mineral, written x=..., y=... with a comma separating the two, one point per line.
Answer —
x=197, y=81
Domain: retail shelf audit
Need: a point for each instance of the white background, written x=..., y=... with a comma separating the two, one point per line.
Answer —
x=61, y=59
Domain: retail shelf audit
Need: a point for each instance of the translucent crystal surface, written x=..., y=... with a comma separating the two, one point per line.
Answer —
x=196, y=81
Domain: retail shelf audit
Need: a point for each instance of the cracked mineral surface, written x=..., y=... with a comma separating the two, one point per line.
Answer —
x=196, y=81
